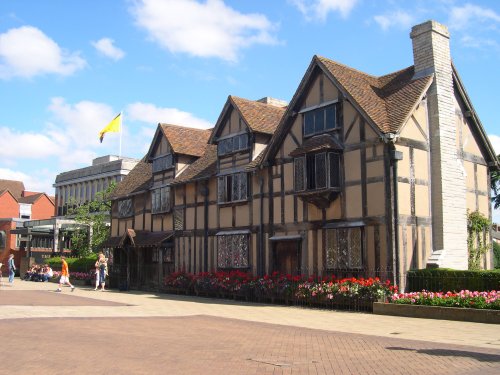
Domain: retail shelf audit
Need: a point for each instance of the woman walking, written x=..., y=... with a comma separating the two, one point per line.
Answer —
x=12, y=268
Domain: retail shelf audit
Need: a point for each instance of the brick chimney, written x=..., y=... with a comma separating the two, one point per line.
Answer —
x=431, y=54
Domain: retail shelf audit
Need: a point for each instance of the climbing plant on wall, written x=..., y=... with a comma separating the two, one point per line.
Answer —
x=478, y=242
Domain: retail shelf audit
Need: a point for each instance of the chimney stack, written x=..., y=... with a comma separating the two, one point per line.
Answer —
x=431, y=54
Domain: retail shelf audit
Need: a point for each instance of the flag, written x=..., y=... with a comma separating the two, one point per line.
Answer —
x=113, y=126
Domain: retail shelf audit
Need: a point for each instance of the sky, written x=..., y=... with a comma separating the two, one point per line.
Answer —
x=67, y=68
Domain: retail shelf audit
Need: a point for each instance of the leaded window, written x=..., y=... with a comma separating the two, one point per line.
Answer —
x=317, y=171
x=233, y=144
x=232, y=187
x=125, y=208
x=160, y=200
x=320, y=120
x=178, y=219
x=344, y=248
x=232, y=251
x=162, y=162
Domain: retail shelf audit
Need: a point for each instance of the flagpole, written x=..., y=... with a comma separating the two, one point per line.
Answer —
x=121, y=131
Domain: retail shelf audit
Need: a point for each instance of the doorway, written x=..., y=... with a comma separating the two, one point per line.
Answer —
x=286, y=257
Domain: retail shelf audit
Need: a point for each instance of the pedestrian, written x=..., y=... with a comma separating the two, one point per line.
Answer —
x=64, y=275
x=97, y=272
x=103, y=270
x=12, y=268
x=1, y=277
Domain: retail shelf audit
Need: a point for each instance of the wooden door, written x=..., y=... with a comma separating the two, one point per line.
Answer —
x=286, y=257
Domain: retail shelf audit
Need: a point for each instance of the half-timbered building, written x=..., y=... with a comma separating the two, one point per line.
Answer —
x=356, y=174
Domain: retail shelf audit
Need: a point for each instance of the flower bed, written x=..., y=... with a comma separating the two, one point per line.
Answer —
x=350, y=293
x=81, y=278
x=479, y=307
x=464, y=298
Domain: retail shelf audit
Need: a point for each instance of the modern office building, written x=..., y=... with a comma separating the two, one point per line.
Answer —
x=81, y=185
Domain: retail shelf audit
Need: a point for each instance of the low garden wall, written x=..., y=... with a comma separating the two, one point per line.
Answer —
x=437, y=312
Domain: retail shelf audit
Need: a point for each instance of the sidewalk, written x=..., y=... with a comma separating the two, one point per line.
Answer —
x=91, y=304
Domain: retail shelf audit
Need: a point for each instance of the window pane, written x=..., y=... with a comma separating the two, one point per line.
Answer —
x=221, y=147
x=235, y=193
x=334, y=169
x=310, y=168
x=243, y=141
x=299, y=173
x=330, y=117
x=331, y=248
x=221, y=189
x=355, y=248
x=320, y=170
x=229, y=145
x=223, y=251
x=319, y=120
x=308, y=123
x=343, y=251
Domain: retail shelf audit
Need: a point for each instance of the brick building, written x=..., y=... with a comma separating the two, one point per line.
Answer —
x=17, y=206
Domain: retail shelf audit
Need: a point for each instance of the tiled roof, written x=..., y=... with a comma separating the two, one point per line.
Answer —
x=202, y=168
x=138, y=179
x=187, y=141
x=255, y=162
x=388, y=100
x=260, y=117
x=317, y=143
x=16, y=188
x=30, y=199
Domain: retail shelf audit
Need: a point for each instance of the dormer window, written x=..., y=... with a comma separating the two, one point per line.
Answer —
x=320, y=120
x=233, y=144
x=163, y=162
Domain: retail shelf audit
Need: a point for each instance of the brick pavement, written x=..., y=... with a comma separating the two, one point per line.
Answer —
x=136, y=333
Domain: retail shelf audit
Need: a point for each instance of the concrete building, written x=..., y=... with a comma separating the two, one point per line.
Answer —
x=356, y=175
x=81, y=185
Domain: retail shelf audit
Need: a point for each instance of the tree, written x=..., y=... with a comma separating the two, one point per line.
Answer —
x=94, y=217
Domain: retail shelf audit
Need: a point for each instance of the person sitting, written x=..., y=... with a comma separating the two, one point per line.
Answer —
x=47, y=274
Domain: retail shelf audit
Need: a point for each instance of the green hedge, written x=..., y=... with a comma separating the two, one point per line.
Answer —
x=83, y=264
x=448, y=280
x=496, y=254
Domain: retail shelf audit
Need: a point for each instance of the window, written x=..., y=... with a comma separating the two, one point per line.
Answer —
x=160, y=200
x=344, y=248
x=320, y=120
x=3, y=239
x=233, y=144
x=233, y=187
x=232, y=251
x=178, y=219
x=162, y=162
x=317, y=171
x=125, y=208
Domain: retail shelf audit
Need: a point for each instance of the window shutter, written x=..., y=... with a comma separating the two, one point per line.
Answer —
x=299, y=173
x=320, y=173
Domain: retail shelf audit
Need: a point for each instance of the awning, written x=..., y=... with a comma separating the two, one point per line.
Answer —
x=318, y=143
x=232, y=232
x=138, y=238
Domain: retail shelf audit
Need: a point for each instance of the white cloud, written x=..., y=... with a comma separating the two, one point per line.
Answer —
x=41, y=181
x=151, y=114
x=470, y=15
x=27, y=52
x=209, y=29
x=319, y=9
x=495, y=142
x=477, y=42
x=399, y=18
x=35, y=145
x=107, y=48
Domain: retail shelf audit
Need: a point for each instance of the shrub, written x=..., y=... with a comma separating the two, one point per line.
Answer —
x=444, y=280
x=82, y=264
x=496, y=255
